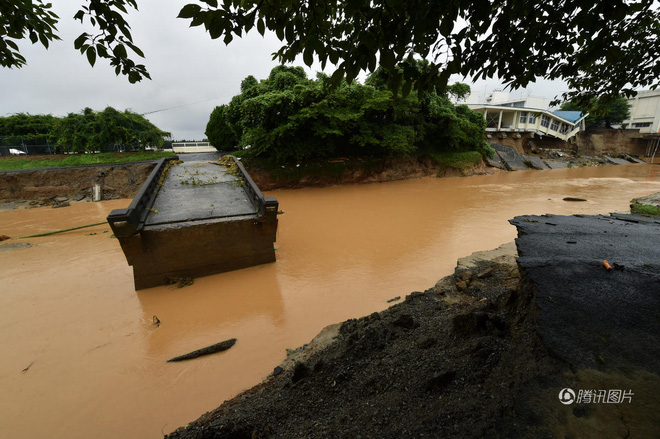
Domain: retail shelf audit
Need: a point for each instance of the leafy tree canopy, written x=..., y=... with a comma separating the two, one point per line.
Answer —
x=601, y=111
x=591, y=45
x=598, y=47
x=218, y=130
x=85, y=131
x=291, y=118
x=26, y=128
x=33, y=19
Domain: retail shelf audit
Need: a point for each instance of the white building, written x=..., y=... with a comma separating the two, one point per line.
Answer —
x=502, y=99
x=562, y=125
x=185, y=147
x=472, y=98
x=644, y=112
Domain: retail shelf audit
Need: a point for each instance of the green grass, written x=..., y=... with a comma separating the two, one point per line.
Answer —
x=63, y=160
x=645, y=210
x=457, y=160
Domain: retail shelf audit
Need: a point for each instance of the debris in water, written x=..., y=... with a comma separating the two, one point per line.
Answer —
x=4, y=237
x=156, y=321
x=27, y=368
x=219, y=347
x=62, y=230
x=573, y=199
x=180, y=282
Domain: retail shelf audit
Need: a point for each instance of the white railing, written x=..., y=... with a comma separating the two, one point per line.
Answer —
x=184, y=147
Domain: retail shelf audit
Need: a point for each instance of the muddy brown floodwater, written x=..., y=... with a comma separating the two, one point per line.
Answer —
x=80, y=357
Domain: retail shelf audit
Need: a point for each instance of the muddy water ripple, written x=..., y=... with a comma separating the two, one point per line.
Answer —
x=81, y=358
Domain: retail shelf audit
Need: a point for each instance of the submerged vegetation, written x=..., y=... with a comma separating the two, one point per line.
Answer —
x=289, y=118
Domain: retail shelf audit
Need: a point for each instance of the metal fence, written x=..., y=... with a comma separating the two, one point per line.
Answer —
x=20, y=147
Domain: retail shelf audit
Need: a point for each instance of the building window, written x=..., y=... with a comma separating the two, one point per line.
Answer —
x=523, y=117
x=545, y=121
x=531, y=119
x=555, y=125
x=642, y=125
x=564, y=128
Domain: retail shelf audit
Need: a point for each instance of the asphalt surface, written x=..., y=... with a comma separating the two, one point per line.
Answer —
x=588, y=315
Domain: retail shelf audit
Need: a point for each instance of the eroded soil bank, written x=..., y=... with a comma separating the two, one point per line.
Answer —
x=75, y=183
x=485, y=353
x=352, y=171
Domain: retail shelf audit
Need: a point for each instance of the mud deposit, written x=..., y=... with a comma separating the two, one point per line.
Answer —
x=80, y=351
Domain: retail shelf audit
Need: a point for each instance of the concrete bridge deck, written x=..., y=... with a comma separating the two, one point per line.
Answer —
x=193, y=219
x=199, y=190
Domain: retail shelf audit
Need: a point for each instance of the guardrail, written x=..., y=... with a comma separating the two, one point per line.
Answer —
x=128, y=222
x=266, y=206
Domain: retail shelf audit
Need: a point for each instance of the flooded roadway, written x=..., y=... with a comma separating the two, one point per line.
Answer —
x=81, y=358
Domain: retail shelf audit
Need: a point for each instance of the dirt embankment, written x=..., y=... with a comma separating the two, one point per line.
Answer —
x=352, y=171
x=547, y=346
x=444, y=363
x=76, y=183
x=43, y=186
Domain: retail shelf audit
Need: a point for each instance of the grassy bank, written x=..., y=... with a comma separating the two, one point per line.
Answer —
x=62, y=160
x=457, y=160
x=645, y=210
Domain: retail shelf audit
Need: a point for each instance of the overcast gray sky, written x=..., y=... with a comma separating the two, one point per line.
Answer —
x=186, y=67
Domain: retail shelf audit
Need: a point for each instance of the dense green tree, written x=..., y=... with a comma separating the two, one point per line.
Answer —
x=25, y=128
x=94, y=131
x=291, y=118
x=85, y=131
x=602, y=112
x=590, y=44
x=219, y=132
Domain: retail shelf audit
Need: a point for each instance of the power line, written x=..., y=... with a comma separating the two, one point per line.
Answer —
x=179, y=106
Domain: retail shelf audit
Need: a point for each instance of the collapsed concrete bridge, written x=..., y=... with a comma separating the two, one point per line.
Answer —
x=193, y=219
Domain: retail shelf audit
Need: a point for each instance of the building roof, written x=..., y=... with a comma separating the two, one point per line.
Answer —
x=571, y=116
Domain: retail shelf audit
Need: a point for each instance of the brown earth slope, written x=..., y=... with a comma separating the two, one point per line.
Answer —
x=116, y=181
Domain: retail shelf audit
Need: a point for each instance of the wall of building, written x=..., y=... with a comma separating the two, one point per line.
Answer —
x=645, y=110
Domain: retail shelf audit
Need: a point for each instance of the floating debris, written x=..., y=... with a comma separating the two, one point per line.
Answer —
x=218, y=347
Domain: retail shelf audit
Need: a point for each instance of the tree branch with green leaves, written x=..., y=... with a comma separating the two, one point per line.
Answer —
x=598, y=48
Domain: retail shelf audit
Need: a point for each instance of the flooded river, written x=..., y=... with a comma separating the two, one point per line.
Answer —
x=81, y=358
